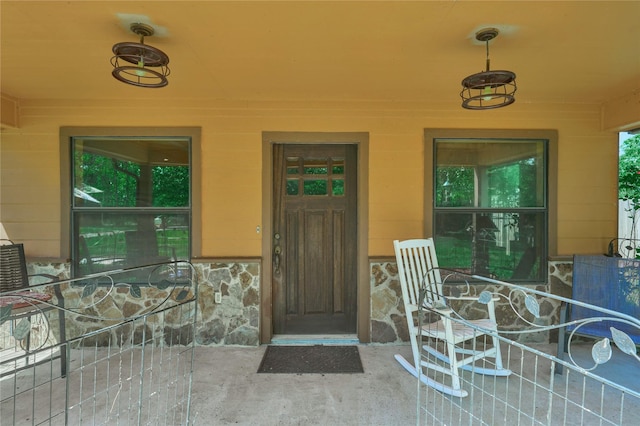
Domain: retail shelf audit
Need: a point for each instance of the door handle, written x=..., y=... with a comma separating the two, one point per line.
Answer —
x=276, y=258
x=276, y=252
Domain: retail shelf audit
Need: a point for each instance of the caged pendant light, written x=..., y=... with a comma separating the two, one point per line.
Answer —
x=488, y=89
x=139, y=64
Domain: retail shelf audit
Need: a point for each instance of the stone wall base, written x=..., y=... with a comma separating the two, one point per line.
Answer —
x=236, y=320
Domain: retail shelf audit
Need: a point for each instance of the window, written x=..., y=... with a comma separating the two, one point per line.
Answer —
x=628, y=241
x=131, y=201
x=490, y=204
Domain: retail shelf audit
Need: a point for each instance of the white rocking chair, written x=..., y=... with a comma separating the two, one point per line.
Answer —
x=421, y=283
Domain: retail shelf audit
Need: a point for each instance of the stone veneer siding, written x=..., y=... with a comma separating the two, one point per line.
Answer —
x=388, y=322
x=236, y=321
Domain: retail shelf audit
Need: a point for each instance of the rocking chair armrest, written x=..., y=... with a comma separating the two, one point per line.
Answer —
x=446, y=311
x=462, y=297
x=440, y=309
x=472, y=298
x=412, y=307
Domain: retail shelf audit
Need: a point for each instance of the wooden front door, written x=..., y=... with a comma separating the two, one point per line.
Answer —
x=315, y=239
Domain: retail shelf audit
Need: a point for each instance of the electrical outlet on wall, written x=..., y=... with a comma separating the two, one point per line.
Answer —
x=217, y=297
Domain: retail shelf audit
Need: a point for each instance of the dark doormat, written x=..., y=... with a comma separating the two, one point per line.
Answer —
x=317, y=359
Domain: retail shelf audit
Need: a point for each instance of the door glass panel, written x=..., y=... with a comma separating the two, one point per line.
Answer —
x=315, y=187
x=292, y=186
x=337, y=187
x=316, y=166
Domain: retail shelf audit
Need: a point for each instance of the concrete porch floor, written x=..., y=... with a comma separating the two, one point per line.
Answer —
x=227, y=390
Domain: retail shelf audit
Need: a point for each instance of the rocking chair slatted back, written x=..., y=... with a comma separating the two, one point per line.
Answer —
x=418, y=264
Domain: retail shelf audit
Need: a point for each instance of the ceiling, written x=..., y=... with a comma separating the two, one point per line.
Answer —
x=567, y=52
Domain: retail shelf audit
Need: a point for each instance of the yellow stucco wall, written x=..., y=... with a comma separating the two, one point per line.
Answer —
x=232, y=164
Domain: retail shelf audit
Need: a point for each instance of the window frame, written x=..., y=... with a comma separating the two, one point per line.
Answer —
x=66, y=144
x=550, y=136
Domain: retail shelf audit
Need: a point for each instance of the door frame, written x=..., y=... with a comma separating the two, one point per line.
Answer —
x=361, y=140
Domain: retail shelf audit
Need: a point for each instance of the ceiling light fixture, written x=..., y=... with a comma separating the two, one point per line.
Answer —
x=488, y=89
x=150, y=65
